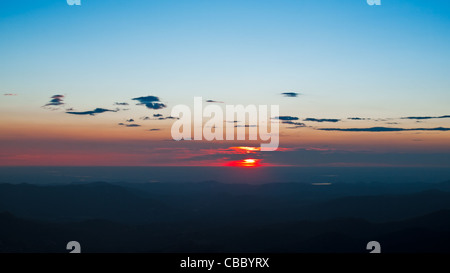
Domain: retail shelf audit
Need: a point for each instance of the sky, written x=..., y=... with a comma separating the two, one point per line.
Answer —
x=361, y=85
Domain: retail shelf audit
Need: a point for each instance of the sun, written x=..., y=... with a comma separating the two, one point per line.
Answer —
x=248, y=163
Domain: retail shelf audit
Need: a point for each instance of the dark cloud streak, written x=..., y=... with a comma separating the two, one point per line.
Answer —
x=296, y=124
x=429, y=117
x=322, y=120
x=129, y=125
x=356, y=118
x=56, y=100
x=93, y=112
x=151, y=102
x=290, y=94
x=286, y=118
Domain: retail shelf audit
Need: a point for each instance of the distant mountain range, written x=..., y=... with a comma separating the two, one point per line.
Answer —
x=426, y=234
x=214, y=217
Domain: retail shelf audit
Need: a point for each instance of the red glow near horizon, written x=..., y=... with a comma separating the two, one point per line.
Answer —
x=248, y=163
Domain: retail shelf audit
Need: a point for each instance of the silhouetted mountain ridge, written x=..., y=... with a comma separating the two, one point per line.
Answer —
x=209, y=202
x=338, y=235
x=77, y=202
x=215, y=217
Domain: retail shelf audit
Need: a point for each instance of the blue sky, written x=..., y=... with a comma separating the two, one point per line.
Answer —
x=346, y=58
x=391, y=58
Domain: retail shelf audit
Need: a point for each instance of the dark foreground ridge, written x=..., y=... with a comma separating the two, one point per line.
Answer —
x=213, y=217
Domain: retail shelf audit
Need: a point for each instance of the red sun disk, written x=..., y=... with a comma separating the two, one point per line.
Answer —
x=248, y=163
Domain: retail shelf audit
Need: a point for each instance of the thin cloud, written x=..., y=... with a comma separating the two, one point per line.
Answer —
x=56, y=100
x=129, y=125
x=214, y=101
x=93, y=112
x=322, y=120
x=296, y=124
x=151, y=102
x=130, y=120
x=290, y=120
x=246, y=125
x=383, y=129
x=356, y=118
x=427, y=117
x=158, y=117
x=290, y=94
x=9, y=94
x=155, y=129
x=121, y=103
x=169, y=117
